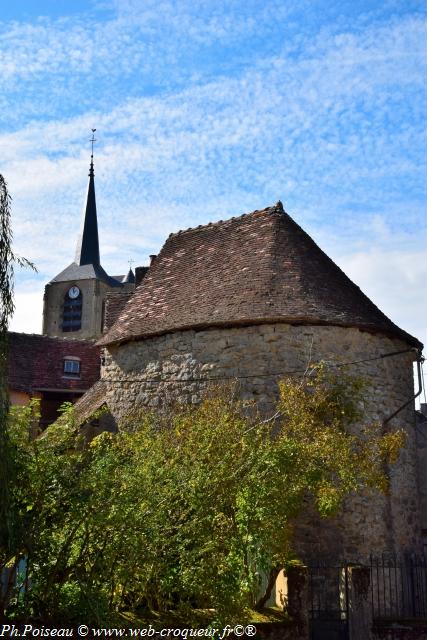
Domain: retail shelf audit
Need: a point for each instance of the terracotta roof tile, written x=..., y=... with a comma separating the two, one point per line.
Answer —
x=115, y=301
x=90, y=402
x=259, y=267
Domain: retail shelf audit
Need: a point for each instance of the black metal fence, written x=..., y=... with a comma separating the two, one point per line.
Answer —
x=397, y=591
x=399, y=586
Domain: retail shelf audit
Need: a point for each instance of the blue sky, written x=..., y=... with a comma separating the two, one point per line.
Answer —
x=209, y=109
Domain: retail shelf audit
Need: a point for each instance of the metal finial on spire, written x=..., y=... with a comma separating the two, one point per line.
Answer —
x=92, y=140
x=130, y=263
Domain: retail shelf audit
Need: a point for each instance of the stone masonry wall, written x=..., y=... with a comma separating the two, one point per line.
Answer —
x=94, y=293
x=181, y=365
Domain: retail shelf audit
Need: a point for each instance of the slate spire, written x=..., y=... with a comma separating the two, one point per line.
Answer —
x=88, y=244
x=129, y=278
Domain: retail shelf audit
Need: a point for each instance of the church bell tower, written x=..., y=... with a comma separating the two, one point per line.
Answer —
x=74, y=300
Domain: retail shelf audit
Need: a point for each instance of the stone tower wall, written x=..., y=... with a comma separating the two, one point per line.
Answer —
x=181, y=365
x=93, y=292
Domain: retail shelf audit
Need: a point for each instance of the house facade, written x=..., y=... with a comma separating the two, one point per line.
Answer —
x=52, y=370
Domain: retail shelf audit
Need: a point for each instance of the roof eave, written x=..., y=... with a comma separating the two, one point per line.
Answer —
x=245, y=322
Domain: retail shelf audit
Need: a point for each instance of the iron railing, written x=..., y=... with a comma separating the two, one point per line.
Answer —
x=399, y=586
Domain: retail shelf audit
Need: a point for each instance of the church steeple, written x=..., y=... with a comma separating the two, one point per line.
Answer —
x=76, y=299
x=88, y=244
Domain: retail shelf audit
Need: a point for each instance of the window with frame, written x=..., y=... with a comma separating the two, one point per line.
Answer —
x=72, y=313
x=72, y=367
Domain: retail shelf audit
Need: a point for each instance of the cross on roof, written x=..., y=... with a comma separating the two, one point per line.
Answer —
x=93, y=139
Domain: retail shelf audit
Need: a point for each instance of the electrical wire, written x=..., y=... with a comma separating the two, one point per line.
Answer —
x=252, y=375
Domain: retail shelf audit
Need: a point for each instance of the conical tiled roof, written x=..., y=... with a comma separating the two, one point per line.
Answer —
x=257, y=268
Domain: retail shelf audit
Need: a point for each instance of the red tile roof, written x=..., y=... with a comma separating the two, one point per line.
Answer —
x=36, y=362
x=257, y=268
x=115, y=302
x=90, y=402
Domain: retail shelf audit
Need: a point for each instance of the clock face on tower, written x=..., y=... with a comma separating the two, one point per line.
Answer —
x=73, y=292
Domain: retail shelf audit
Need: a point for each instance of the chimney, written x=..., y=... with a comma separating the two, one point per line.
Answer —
x=140, y=273
x=152, y=258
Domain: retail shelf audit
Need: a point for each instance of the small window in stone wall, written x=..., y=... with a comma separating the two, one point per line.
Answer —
x=72, y=367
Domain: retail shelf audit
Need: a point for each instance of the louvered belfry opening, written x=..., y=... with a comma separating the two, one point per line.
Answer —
x=72, y=313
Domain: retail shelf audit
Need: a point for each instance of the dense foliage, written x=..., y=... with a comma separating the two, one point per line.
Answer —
x=186, y=510
x=10, y=521
x=6, y=309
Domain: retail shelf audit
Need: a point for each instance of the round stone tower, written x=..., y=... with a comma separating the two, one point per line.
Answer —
x=252, y=299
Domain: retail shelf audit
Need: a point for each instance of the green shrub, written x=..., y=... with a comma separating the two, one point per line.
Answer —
x=187, y=509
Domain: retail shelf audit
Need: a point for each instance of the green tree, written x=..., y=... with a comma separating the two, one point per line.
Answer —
x=187, y=510
x=6, y=310
x=9, y=523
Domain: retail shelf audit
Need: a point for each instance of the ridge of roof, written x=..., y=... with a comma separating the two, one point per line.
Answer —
x=277, y=208
x=44, y=336
x=255, y=268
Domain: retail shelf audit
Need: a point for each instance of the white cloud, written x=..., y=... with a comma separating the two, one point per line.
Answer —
x=395, y=281
x=333, y=124
x=142, y=36
x=28, y=311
